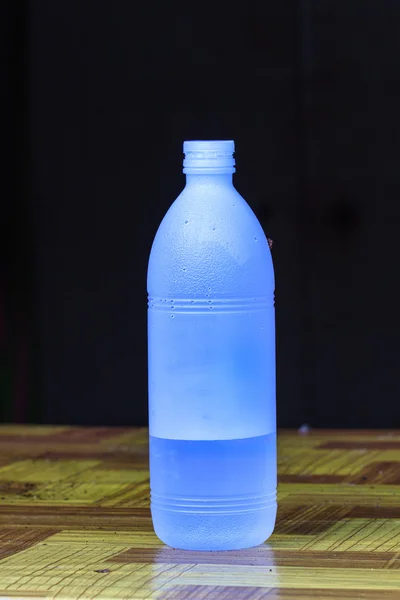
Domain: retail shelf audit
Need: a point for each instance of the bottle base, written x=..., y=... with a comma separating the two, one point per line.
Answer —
x=214, y=532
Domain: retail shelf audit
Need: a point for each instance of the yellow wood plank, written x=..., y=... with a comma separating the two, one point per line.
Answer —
x=289, y=577
x=43, y=471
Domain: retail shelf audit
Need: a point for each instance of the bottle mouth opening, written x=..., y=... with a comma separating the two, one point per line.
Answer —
x=209, y=154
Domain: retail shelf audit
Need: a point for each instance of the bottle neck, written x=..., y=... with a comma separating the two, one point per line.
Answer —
x=217, y=179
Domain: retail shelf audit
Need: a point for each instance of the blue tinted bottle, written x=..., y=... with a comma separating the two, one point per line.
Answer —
x=211, y=340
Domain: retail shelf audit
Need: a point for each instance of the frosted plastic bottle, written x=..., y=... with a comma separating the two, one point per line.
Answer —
x=211, y=336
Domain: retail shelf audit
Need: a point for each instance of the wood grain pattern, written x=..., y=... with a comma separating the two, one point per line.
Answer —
x=75, y=521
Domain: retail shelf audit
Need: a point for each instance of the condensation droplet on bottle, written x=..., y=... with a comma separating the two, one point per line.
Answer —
x=184, y=269
x=172, y=316
x=186, y=222
x=255, y=239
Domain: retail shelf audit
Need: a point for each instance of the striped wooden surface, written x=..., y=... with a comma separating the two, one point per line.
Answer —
x=75, y=521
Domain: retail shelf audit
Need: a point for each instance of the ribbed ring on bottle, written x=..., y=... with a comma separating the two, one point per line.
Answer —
x=223, y=505
x=201, y=305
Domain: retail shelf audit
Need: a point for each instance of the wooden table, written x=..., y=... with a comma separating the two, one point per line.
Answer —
x=75, y=521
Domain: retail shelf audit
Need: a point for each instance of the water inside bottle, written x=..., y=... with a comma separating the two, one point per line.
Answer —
x=215, y=493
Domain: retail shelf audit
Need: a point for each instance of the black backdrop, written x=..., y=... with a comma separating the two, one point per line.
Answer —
x=102, y=95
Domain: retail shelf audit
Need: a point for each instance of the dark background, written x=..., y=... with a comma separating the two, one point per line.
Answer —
x=97, y=97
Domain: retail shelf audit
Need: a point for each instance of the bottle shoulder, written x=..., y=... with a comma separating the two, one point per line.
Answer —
x=210, y=241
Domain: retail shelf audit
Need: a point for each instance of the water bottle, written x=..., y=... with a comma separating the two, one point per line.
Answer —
x=211, y=344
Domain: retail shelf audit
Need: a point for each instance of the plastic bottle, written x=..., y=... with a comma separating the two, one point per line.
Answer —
x=211, y=334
